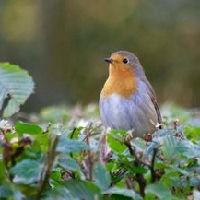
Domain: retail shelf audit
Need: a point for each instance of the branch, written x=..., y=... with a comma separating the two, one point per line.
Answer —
x=138, y=177
x=105, y=150
x=48, y=166
x=91, y=157
x=153, y=172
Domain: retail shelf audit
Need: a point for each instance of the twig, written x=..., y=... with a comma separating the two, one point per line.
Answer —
x=153, y=172
x=5, y=103
x=129, y=183
x=176, y=124
x=48, y=166
x=90, y=166
x=73, y=132
x=90, y=156
x=141, y=181
x=71, y=137
x=88, y=131
x=138, y=177
x=105, y=151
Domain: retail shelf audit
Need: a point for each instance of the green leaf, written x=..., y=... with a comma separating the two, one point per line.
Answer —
x=167, y=177
x=17, y=83
x=73, y=190
x=27, y=171
x=68, y=163
x=5, y=191
x=67, y=145
x=43, y=140
x=121, y=191
x=102, y=176
x=169, y=147
x=159, y=190
x=56, y=175
x=59, y=192
x=174, y=147
x=115, y=143
x=75, y=133
x=2, y=171
x=82, y=189
x=138, y=170
x=9, y=191
x=32, y=129
x=192, y=132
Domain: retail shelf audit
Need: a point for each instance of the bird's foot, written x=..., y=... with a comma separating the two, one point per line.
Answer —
x=148, y=137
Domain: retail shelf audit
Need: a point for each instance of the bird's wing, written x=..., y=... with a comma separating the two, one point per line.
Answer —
x=152, y=95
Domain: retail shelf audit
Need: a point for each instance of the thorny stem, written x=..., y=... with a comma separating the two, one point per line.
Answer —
x=153, y=172
x=48, y=166
x=90, y=157
x=90, y=166
x=105, y=151
x=129, y=183
x=139, y=177
x=88, y=131
x=176, y=124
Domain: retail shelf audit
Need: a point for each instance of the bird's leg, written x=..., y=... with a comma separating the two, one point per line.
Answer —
x=148, y=137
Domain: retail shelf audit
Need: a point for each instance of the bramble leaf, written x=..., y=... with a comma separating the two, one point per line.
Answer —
x=159, y=190
x=16, y=84
x=27, y=171
x=68, y=163
x=67, y=145
x=102, y=176
x=32, y=129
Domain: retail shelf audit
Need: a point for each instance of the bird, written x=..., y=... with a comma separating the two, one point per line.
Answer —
x=127, y=99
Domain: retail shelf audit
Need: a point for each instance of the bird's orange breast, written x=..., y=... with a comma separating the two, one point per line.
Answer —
x=121, y=81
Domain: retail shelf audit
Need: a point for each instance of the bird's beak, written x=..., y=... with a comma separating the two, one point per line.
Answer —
x=108, y=60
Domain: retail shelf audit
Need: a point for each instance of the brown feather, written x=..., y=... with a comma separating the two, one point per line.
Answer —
x=152, y=95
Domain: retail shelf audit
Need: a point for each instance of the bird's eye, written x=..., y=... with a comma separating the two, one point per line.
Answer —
x=125, y=61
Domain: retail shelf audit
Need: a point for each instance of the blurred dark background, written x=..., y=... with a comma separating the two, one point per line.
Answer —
x=62, y=44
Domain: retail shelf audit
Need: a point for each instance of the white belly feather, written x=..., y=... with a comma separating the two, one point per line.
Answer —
x=137, y=112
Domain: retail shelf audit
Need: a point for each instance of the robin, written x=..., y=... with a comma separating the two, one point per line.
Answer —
x=127, y=100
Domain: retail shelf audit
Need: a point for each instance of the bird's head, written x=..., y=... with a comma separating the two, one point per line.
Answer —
x=122, y=61
x=123, y=72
